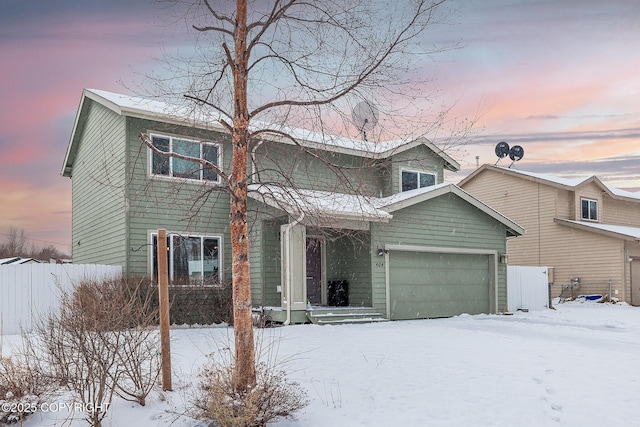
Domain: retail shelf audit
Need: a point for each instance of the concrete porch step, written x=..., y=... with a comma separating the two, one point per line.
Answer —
x=344, y=315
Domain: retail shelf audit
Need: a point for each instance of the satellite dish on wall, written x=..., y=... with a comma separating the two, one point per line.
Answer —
x=365, y=117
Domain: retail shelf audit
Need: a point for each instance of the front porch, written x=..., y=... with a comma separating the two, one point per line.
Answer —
x=313, y=257
x=307, y=274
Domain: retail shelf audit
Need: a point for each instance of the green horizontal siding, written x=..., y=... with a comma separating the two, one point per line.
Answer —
x=98, y=188
x=271, y=268
x=285, y=164
x=179, y=206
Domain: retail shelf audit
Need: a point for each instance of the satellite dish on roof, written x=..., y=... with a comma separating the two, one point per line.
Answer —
x=516, y=153
x=365, y=117
x=502, y=149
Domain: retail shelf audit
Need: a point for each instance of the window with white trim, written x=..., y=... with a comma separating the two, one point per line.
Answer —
x=411, y=180
x=589, y=208
x=178, y=168
x=191, y=259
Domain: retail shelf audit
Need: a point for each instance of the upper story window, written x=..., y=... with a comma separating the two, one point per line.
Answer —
x=191, y=259
x=178, y=168
x=412, y=180
x=589, y=209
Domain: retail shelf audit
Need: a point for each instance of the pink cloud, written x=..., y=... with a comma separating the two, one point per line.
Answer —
x=43, y=212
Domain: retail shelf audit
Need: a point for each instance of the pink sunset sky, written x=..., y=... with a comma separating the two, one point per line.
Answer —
x=560, y=78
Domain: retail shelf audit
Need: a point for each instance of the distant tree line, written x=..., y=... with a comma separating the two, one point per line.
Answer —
x=17, y=243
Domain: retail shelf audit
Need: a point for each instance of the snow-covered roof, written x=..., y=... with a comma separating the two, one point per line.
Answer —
x=319, y=203
x=624, y=193
x=357, y=207
x=569, y=183
x=18, y=261
x=207, y=119
x=619, y=231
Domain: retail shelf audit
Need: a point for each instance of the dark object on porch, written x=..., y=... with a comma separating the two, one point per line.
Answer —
x=338, y=293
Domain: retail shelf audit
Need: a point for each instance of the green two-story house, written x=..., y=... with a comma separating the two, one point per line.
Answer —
x=333, y=221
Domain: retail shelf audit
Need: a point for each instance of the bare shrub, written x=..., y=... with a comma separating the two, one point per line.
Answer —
x=274, y=395
x=22, y=388
x=102, y=341
x=139, y=362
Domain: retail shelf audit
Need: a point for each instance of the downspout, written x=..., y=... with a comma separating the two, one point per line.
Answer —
x=288, y=272
x=253, y=159
x=627, y=286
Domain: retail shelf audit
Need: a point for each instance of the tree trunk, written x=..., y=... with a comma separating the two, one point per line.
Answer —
x=245, y=374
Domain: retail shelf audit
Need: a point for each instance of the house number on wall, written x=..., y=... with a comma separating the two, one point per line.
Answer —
x=379, y=264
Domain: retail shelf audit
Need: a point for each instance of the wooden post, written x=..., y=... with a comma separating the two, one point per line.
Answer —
x=163, y=303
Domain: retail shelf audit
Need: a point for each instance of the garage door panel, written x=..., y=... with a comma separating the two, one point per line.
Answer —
x=428, y=285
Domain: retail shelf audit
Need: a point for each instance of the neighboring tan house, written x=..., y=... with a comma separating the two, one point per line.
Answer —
x=407, y=245
x=580, y=227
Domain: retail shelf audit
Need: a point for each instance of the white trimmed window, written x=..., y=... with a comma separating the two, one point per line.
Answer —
x=589, y=208
x=178, y=168
x=412, y=180
x=191, y=259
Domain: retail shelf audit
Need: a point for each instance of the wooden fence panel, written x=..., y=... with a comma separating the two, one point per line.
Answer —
x=527, y=288
x=29, y=291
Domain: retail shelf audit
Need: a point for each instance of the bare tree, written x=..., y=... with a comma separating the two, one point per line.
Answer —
x=302, y=62
x=16, y=244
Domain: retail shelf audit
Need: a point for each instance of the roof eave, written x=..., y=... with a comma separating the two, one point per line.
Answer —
x=583, y=227
x=291, y=210
x=67, y=165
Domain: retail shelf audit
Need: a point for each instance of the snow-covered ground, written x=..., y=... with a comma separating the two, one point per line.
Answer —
x=576, y=366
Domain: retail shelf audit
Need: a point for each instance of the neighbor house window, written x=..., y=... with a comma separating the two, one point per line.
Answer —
x=412, y=180
x=191, y=259
x=179, y=168
x=589, y=209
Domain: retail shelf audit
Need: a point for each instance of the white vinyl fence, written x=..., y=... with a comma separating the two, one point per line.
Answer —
x=29, y=291
x=527, y=288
